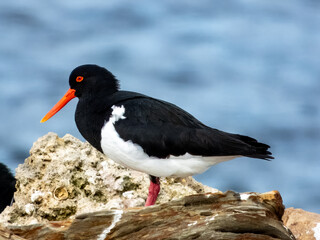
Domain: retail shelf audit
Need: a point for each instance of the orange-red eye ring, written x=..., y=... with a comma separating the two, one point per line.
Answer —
x=79, y=79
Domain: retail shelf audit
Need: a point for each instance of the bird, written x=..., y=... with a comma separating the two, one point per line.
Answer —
x=147, y=134
x=7, y=186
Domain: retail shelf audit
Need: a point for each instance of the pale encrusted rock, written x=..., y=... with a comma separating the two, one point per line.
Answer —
x=64, y=177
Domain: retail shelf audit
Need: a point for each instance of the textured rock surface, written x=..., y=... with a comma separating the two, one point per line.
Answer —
x=207, y=216
x=304, y=225
x=68, y=190
x=6, y=234
x=64, y=177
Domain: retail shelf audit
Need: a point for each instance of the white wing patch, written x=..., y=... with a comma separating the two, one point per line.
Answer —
x=132, y=155
x=117, y=113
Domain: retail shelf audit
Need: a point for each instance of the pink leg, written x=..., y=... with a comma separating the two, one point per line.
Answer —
x=154, y=190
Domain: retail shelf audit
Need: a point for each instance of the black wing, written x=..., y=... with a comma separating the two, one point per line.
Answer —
x=163, y=129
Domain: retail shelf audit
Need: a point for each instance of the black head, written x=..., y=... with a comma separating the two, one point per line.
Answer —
x=91, y=79
x=86, y=82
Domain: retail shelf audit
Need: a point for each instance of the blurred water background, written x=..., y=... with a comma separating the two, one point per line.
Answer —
x=243, y=66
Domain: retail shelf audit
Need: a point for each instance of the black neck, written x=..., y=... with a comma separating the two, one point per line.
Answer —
x=90, y=116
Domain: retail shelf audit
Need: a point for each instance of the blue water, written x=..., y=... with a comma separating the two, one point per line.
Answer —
x=249, y=67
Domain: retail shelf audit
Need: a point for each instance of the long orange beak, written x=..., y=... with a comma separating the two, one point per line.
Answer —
x=63, y=101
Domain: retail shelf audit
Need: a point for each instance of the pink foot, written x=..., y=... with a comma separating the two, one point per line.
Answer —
x=154, y=190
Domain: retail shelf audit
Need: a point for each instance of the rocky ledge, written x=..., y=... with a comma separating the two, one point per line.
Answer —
x=68, y=190
x=205, y=216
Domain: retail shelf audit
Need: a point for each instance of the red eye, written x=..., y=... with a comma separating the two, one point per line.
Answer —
x=79, y=79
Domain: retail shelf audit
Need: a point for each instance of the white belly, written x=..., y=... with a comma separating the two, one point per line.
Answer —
x=132, y=155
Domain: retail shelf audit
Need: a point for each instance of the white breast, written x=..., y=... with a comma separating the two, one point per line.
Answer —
x=132, y=155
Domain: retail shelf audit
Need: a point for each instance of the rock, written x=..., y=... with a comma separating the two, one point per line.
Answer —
x=68, y=190
x=227, y=215
x=64, y=177
x=6, y=234
x=304, y=225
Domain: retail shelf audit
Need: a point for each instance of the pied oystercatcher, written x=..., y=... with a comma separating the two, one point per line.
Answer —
x=147, y=134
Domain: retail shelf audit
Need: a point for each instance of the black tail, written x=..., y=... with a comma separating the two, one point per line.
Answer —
x=259, y=150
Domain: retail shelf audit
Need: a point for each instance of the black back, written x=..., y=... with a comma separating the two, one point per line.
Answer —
x=163, y=129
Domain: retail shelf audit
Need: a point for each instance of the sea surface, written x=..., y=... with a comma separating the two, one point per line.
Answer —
x=243, y=66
